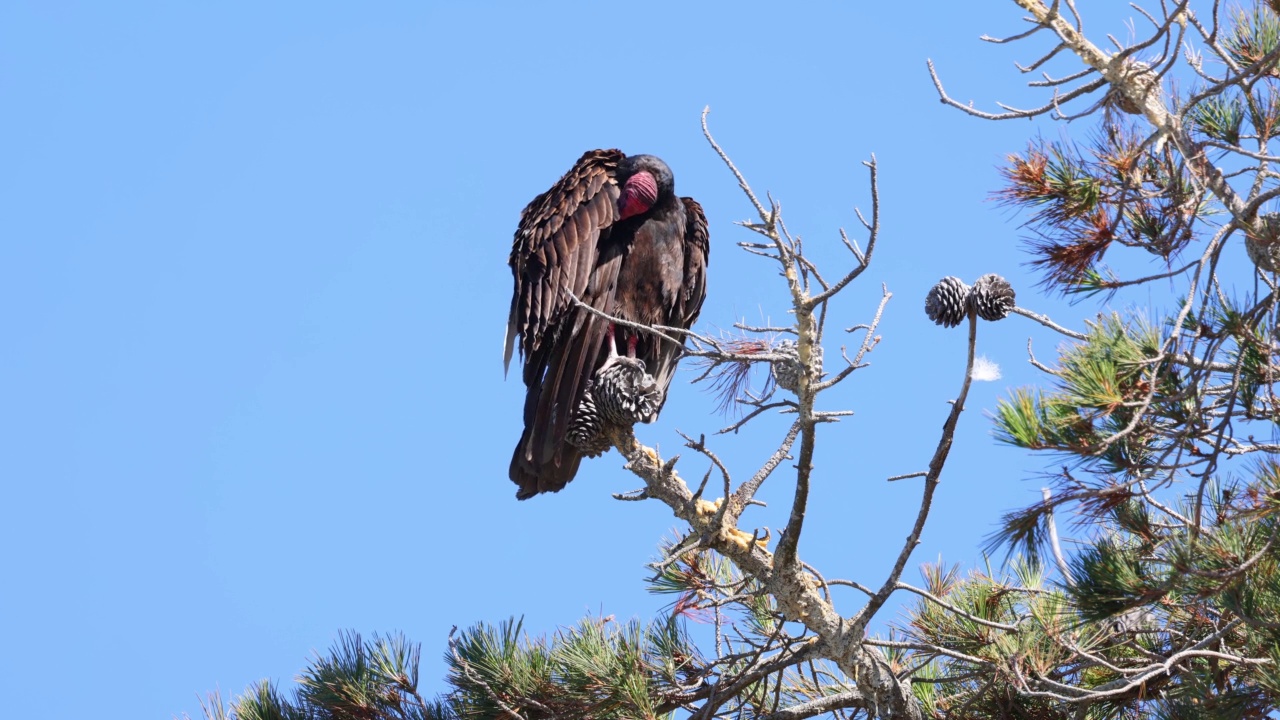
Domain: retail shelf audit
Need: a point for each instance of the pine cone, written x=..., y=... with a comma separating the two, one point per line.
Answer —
x=1140, y=73
x=786, y=372
x=586, y=428
x=992, y=297
x=947, y=302
x=624, y=393
x=1263, y=242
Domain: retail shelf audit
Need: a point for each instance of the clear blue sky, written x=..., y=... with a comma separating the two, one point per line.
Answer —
x=253, y=286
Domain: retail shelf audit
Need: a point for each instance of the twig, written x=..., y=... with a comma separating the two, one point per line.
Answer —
x=1053, y=538
x=1045, y=321
x=953, y=609
x=865, y=257
x=824, y=704
x=742, y=182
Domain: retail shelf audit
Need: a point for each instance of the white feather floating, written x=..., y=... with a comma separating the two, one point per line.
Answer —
x=984, y=370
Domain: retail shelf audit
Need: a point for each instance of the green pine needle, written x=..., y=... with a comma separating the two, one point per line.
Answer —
x=1110, y=578
x=1219, y=117
x=1251, y=35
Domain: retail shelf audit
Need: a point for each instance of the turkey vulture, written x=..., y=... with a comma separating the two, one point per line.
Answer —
x=613, y=234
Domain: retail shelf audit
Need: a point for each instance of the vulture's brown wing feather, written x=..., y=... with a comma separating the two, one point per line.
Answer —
x=555, y=249
x=687, y=304
x=697, y=250
x=557, y=252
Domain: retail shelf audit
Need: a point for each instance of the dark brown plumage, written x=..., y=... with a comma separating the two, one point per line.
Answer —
x=613, y=234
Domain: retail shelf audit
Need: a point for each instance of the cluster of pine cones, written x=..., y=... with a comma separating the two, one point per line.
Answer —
x=620, y=395
x=951, y=300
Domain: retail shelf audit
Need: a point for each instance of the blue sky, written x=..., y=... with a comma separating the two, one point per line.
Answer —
x=254, y=286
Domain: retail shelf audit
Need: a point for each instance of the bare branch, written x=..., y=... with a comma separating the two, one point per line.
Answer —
x=930, y=485
x=742, y=182
x=865, y=258
x=1045, y=321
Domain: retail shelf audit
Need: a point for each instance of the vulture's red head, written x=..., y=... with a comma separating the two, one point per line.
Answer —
x=645, y=180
